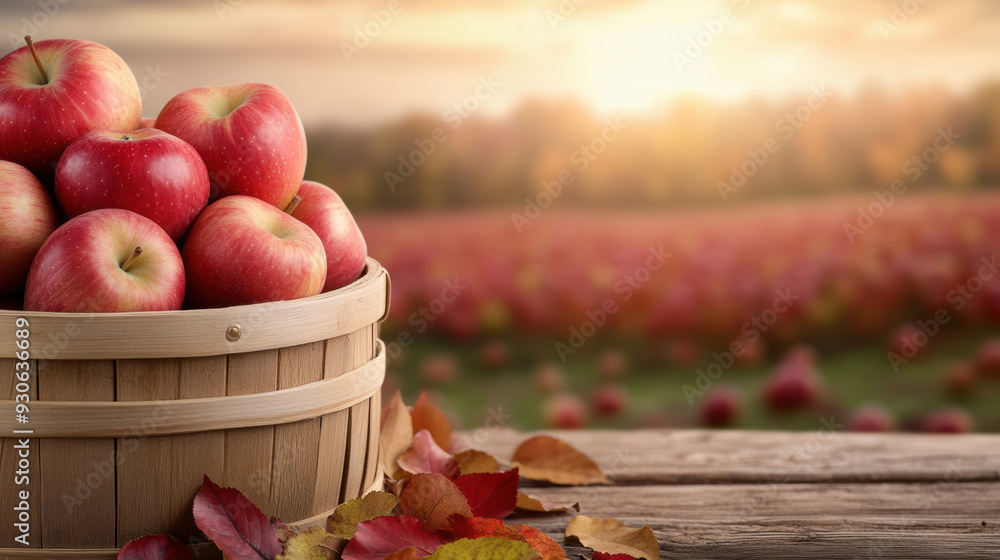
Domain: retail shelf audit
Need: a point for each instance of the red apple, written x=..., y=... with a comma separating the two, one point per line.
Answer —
x=27, y=217
x=242, y=250
x=609, y=400
x=494, y=354
x=948, y=421
x=612, y=364
x=988, y=359
x=147, y=122
x=322, y=209
x=721, y=407
x=249, y=135
x=960, y=379
x=549, y=378
x=86, y=87
x=871, y=418
x=105, y=261
x=795, y=383
x=147, y=171
x=440, y=368
x=565, y=412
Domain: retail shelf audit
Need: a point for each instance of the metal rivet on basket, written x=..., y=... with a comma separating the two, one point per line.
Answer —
x=233, y=333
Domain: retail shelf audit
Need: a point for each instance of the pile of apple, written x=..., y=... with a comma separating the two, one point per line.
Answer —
x=205, y=206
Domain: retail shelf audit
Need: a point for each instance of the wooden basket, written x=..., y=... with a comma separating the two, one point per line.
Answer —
x=128, y=411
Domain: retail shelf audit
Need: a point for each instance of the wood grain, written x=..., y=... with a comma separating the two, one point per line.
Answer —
x=250, y=451
x=363, y=349
x=296, y=446
x=724, y=456
x=9, y=459
x=77, y=475
x=831, y=521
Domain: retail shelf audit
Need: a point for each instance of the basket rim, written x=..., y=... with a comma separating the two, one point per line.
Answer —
x=192, y=333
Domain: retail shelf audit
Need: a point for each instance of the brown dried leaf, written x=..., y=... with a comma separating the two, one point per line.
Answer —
x=396, y=435
x=613, y=537
x=428, y=417
x=432, y=498
x=472, y=461
x=528, y=502
x=548, y=459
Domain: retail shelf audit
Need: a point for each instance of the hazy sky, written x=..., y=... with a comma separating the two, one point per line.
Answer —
x=616, y=55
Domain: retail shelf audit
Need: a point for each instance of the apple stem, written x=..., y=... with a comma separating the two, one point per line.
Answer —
x=34, y=54
x=131, y=258
x=291, y=205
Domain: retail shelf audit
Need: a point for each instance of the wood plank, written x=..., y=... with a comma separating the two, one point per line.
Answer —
x=296, y=445
x=357, y=445
x=249, y=451
x=196, y=455
x=860, y=520
x=145, y=475
x=721, y=456
x=10, y=497
x=77, y=475
x=341, y=356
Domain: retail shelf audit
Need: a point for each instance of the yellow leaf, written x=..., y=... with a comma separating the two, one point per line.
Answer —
x=344, y=520
x=551, y=460
x=487, y=548
x=614, y=537
x=314, y=544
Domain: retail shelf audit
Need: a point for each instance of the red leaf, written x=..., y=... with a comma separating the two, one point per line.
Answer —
x=490, y=494
x=380, y=537
x=428, y=417
x=605, y=556
x=425, y=456
x=154, y=547
x=236, y=526
x=543, y=544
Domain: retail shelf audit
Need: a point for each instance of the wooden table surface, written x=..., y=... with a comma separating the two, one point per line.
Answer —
x=777, y=495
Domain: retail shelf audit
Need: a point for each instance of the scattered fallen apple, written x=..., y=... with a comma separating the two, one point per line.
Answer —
x=960, y=379
x=441, y=369
x=795, y=383
x=565, y=412
x=988, y=358
x=720, y=407
x=948, y=421
x=871, y=418
x=494, y=354
x=549, y=378
x=609, y=401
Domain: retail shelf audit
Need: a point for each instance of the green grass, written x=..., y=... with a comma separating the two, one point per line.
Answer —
x=853, y=376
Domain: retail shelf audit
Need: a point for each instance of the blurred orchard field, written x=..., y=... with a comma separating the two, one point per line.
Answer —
x=572, y=322
x=768, y=214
